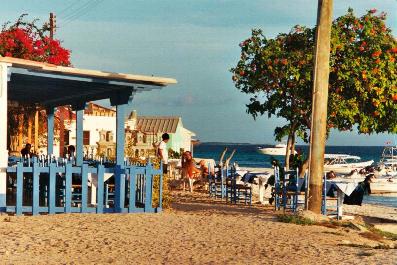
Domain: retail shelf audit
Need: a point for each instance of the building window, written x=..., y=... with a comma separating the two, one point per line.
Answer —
x=66, y=137
x=86, y=137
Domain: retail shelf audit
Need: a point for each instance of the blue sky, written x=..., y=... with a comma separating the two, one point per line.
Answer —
x=194, y=41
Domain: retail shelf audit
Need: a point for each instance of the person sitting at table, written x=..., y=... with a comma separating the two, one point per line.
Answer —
x=205, y=172
x=25, y=152
x=363, y=188
x=71, y=151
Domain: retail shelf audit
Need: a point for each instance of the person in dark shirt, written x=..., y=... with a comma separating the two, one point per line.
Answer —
x=363, y=188
x=25, y=152
x=71, y=150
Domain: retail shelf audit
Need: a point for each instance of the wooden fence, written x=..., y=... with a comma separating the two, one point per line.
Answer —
x=35, y=187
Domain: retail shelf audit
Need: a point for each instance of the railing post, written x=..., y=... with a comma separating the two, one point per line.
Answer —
x=101, y=172
x=79, y=136
x=84, y=188
x=68, y=188
x=18, y=210
x=119, y=188
x=161, y=175
x=132, y=174
x=36, y=188
x=4, y=71
x=120, y=133
x=50, y=131
x=51, y=188
x=148, y=187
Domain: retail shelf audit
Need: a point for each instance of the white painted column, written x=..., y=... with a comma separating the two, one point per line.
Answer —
x=3, y=133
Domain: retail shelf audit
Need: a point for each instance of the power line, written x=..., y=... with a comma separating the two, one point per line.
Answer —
x=78, y=9
x=83, y=11
x=68, y=7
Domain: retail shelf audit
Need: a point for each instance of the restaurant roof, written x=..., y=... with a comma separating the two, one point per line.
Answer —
x=48, y=84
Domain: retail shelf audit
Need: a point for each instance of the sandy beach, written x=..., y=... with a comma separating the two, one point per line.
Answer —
x=196, y=230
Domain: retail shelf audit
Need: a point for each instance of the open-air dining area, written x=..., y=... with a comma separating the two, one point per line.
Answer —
x=49, y=183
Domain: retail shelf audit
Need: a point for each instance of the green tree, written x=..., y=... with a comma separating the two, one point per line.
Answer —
x=277, y=73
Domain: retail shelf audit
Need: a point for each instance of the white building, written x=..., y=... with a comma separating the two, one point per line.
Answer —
x=142, y=132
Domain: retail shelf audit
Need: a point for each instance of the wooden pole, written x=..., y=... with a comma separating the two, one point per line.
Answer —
x=30, y=126
x=36, y=131
x=20, y=131
x=52, y=25
x=320, y=101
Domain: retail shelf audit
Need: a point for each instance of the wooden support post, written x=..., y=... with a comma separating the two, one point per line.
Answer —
x=79, y=137
x=3, y=134
x=61, y=132
x=120, y=133
x=120, y=100
x=320, y=101
x=50, y=131
x=20, y=130
x=120, y=176
x=30, y=127
x=36, y=131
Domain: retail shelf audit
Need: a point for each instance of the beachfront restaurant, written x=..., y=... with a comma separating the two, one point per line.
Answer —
x=51, y=184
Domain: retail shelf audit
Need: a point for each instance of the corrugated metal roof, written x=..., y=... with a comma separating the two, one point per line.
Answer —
x=158, y=124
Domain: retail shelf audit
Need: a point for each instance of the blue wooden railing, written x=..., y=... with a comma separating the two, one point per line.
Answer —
x=47, y=187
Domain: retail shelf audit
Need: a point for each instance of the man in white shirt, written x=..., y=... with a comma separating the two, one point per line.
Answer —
x=163, y=151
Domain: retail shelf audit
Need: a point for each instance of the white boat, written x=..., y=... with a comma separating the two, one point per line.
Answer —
x=388, y=162
x=342, y=163
x=379, y=185
x=277, y=150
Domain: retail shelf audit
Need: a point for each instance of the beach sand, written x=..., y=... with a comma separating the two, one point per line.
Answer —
x=198, y=230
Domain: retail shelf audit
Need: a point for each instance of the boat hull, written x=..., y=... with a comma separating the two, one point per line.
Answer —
x=272, y=151
x=347, y=168
x=381, y=185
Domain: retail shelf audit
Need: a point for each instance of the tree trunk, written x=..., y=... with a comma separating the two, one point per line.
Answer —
x=303, y=168
x=288, y=151
x=293, y=143
x=319, y=103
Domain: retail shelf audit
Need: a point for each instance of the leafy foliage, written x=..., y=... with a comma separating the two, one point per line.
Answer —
x=363, y=78
x=28, y=41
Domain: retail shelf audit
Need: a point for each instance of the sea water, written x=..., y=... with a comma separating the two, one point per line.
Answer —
x=247, y=156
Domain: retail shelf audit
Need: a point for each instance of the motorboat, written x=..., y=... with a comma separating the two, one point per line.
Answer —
x=388, y=162
x=344, y=164
x=277, y=150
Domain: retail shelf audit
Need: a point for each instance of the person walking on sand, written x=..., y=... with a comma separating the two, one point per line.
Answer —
x=189, y=169
x=163, y=151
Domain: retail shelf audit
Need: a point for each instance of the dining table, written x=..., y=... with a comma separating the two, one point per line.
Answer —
x=343, y=187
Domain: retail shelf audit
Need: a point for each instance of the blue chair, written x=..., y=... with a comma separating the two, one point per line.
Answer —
x=327, y=189
x=237, y=192
x=287, y=191
x=109, y=194
x=217, y=184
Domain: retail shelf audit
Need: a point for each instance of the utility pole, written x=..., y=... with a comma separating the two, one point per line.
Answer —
x=52, y=25
x=319, y=105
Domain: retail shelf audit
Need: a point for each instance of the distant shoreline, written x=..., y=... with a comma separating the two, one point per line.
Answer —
x=267, y=144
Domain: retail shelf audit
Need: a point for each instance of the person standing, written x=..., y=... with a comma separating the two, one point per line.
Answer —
x=163, y=151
